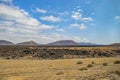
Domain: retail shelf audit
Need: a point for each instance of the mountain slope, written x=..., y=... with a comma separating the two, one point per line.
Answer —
x=28, y=43
x=63, y=43
x=4, y=42
x=87, y=44
x=115, y=44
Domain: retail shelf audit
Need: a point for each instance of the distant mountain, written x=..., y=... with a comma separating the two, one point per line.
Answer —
x=56, y=43
x=4, y=42
x=87, y=44
x=115, y=44
x=28, y=43
x=63, y=43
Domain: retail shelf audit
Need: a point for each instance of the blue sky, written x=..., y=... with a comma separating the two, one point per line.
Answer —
x=44, y=21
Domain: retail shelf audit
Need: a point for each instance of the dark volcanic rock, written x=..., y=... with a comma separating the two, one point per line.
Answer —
x=16, y=52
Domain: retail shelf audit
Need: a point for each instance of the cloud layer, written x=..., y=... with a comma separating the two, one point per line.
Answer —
x=41, y=10
x=18, y=25
x=79, y=26
x=51, y=18
x=77, y=15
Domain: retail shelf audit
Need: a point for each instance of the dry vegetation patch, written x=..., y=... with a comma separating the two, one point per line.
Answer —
x=79, y=62
x=117, y=62
x=105, y=64
x=61, y=69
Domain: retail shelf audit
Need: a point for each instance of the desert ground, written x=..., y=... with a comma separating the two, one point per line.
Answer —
x=59, y=63
x=61, y=69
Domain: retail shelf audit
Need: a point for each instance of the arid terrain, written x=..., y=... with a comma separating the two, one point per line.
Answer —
x=59, y=63
x=59, y=39
x=61, y=69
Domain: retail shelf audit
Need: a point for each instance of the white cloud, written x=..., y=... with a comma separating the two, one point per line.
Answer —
x=51, y=18
x=22, y=29
x=77, y=15
x=17, y=21
x=65, y=13
x=117, y=17
x=17, y=15
x=61, y=30
x=44, y=26
x=87, y=19
x=41, y=10
x=79, y=39
x=79, y=26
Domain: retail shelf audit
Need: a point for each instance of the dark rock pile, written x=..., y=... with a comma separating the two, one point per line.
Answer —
x=21, y=52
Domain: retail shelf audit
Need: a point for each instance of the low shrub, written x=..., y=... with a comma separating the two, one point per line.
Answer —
x=117, y=62
x=105, y=64
x=79, y=62
x=7, y=58
x=91, y=79
x=59, y=73
x=117, y=72
x=83, y=68
x=90, y=65
x=92, y=62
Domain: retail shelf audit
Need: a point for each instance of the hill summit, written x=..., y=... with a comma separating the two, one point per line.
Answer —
x=4, y=42
x=28, y=43
x=63, y=43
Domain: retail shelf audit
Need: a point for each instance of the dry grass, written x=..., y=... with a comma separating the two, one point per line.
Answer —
x=62, y=69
